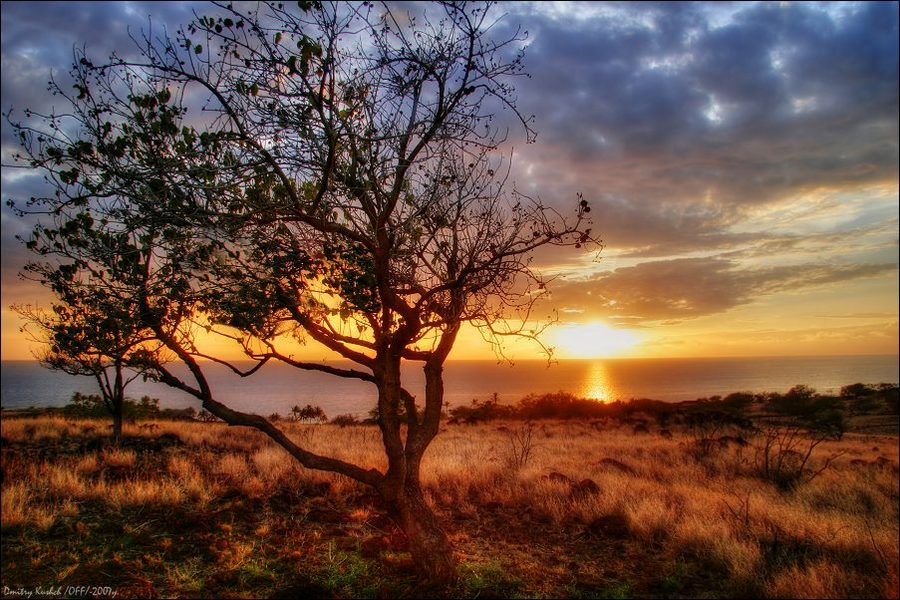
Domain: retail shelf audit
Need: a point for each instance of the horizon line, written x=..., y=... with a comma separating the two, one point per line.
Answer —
x=512, y=362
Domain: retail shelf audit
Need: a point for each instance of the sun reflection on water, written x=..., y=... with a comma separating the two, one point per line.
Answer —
x=598, y=384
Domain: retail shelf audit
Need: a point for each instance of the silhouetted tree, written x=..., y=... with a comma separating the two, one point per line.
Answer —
x=93, y=406
x=856, y=390
x=802, y=406
x=344, y=188
x=90, y=334
x=861, y=398
x=313, y=414
x=891, y=394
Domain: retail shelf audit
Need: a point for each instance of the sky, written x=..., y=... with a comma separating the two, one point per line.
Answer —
x=741, y=161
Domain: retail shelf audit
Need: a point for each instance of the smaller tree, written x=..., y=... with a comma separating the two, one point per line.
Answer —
x=93, y=337
x=860, y=398
x=891, y=395
x=855, y=390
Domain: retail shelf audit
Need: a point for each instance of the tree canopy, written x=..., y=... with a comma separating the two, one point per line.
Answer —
x=329, y=171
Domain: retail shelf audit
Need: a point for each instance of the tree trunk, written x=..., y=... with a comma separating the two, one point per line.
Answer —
x=429, y=545
x=117, y=423
x=117, y=401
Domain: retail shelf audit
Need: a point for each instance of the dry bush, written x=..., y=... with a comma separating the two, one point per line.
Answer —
x=521, y=445
x=783, y=455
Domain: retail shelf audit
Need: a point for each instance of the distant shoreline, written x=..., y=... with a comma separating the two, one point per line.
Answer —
x=278, y=387
x=515, y=361
x=867, y=409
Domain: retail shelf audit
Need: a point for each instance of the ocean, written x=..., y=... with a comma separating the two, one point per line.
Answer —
x=278, y=387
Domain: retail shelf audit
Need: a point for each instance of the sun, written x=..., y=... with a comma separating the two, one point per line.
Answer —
x=592, y=340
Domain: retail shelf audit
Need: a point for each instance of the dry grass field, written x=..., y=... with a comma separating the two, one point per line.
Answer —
x=546, y=509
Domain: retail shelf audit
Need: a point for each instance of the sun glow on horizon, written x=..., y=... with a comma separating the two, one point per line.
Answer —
x=593, y=340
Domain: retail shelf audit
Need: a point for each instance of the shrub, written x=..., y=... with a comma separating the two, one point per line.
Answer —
x=521, y=445
x=206, y=417
x=802, y=402
x=856, y=390
x=890, y=393
x=375, y=415
x=708, y=424
x=482, y=411
x=345, y=420
x=559, y=405
x=92, y=406
x=738, y=402
x=179, y=414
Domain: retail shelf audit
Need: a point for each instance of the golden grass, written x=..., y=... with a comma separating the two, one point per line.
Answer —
x=835, y=536
x=14, y=504
x=717, y=511
x=118, y=458
x=138, y=492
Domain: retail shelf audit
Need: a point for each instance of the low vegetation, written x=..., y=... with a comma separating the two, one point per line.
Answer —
x=800, y=401
x=674, y=502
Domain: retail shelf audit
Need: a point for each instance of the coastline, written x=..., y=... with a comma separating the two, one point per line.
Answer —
x=276, y=388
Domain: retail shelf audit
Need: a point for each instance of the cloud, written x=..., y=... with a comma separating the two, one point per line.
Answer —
x=856, y=240
x=37, y=44
x=691, y=128
x=648, y=86
x=693, y=287
x=677, y=121
x=873, y=338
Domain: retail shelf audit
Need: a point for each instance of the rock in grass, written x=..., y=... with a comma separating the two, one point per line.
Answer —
x=613, y=526
x=557, y=477
x=585, y=487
